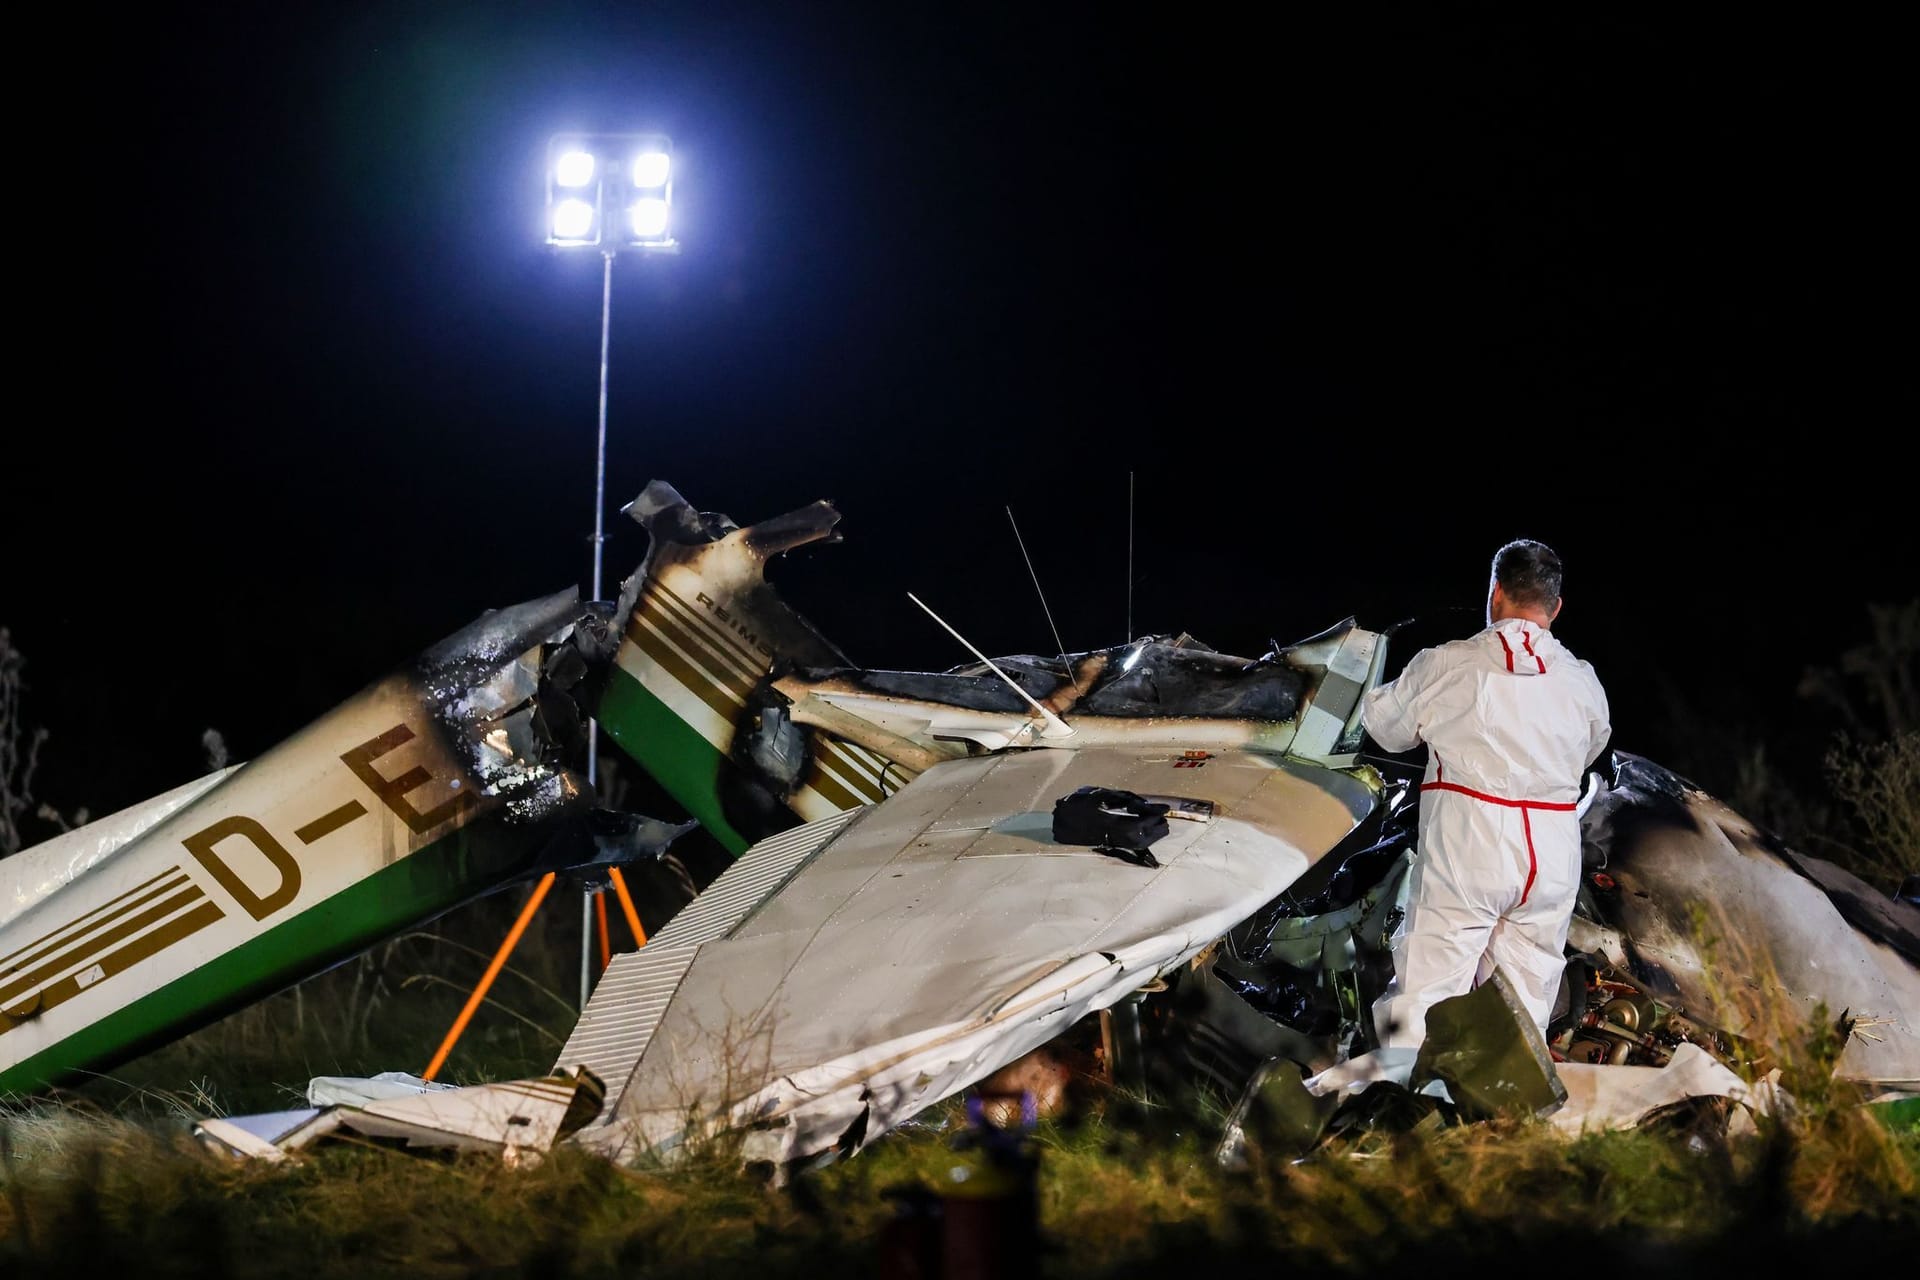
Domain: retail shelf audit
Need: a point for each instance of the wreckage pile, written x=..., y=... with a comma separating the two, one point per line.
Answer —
x=1180, y=854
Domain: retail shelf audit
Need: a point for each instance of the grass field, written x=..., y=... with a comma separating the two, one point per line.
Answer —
x=107, y=1181
x=101, y=1196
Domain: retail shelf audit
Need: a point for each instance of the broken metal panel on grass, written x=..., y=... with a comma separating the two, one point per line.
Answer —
x=1483, y=1058
x=1608, y=1097
x=1201, y=1034
x=520, y=1120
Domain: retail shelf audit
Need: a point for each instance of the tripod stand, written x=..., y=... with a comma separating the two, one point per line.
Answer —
x=512, y=940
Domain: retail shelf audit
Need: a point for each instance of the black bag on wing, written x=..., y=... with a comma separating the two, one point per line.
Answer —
x=1109, y=819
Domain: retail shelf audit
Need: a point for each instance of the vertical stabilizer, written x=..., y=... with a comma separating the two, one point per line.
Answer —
x=688, y=698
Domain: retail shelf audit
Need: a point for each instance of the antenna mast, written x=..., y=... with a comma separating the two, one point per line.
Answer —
x=1056, y=727
x=1065, y=669
x=1128, y=638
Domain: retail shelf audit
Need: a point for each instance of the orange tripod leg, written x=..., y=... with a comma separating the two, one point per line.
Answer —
x=600, y=918
x=626, y=905
x=498, y=963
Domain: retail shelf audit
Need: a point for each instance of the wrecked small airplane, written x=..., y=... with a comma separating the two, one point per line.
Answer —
x=936, y=873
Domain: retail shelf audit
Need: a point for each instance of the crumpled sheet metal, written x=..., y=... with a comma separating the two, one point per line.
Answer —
x=1670, y=848
x=1597, y=1097
x=482, y=681
x=1205, y=1034
x=944, y=935
x=620, y=1020
x=1324, y=678
x=693, y=551
x=1607, y=1097
x=1326, y=942
x=356, y=1091
x=1476, y=1062
x=1278, y=1113
x=705, y=637
x=519, y=1119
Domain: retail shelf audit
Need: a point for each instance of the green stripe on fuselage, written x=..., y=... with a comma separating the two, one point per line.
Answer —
x=457, y=868
x=671, y=750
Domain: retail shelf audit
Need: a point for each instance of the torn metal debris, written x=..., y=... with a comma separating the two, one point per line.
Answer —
x=519, y=1120
x=1618, y=1097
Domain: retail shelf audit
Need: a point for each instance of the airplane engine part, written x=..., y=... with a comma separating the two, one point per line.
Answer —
x=1608, y=1018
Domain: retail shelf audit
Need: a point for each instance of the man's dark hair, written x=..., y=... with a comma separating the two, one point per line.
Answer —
x=1529, y=571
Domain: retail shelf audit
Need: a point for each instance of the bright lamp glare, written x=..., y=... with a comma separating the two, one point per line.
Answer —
x=572, y=219
x=650, y=169
x=649, y=219
x=575, y=169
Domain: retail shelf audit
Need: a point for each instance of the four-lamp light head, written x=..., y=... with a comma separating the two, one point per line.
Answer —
x=610, y=191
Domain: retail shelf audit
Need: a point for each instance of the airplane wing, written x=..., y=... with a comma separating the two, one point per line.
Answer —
x=845, y=974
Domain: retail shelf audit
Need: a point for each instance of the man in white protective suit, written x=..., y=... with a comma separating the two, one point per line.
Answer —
x=1511, y=721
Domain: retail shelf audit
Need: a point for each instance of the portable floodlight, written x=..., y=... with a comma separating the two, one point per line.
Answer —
x=610, y=191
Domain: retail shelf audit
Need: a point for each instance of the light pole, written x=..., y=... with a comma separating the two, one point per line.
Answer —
x=594, y=179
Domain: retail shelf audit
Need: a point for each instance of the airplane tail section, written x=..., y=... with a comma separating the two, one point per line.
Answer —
x=688, y=697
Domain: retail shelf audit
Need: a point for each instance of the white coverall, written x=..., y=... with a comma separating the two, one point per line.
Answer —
x=1511, y=720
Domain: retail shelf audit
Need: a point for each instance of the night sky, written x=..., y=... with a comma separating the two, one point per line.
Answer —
x=299, y=389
